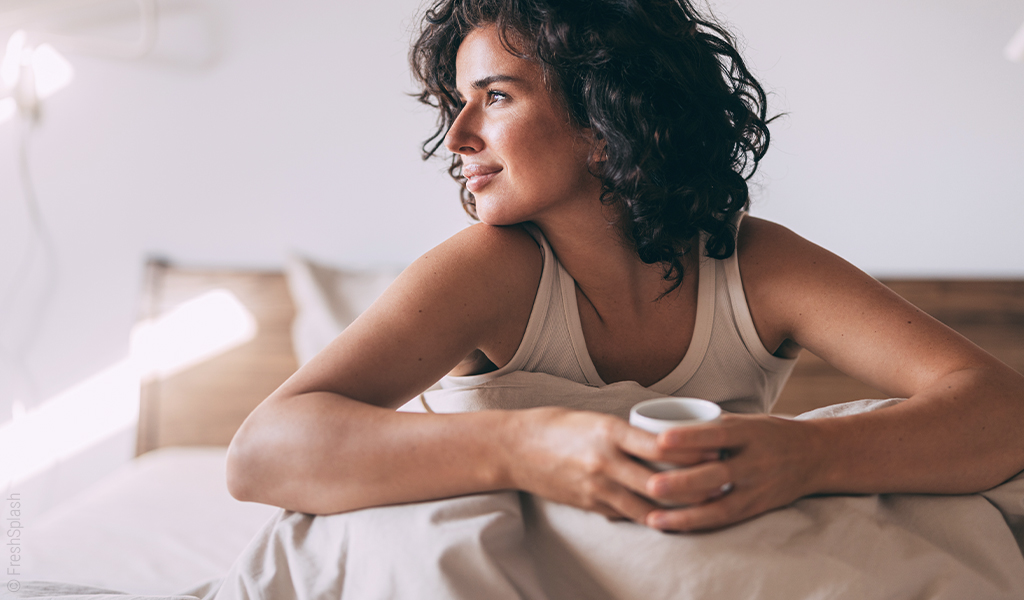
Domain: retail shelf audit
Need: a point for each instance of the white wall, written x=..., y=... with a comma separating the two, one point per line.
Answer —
x=255, y=127
x=258, y=126
x=903, y=150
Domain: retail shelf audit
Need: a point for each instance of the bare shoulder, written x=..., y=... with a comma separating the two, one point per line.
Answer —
x=800, y=293
x=789, y=281
x=491, y=270
x=762, y=248
x=770, y=254
x=765, y=246
x=483, y=250
x=784, y=271
x=474, y=292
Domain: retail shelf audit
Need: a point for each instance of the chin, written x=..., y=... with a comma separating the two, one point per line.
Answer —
x=490, y=214
x=497, y=221
x=500, y=222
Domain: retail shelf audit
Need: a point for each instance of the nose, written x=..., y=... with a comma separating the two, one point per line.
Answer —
x=463, y=137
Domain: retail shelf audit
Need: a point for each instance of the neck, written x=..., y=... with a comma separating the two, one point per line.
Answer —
x=590, y=244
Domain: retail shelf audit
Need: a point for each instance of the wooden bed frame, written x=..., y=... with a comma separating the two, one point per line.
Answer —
x=205, y=404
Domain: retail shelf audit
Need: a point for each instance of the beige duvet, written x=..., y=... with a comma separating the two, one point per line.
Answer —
x=513, y=545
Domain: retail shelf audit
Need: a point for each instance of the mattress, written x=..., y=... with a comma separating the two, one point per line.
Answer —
x=163, y=523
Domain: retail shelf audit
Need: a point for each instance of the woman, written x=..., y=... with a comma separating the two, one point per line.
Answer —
x=606, y=145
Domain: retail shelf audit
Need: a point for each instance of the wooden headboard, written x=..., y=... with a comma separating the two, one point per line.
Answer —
x=205, y=404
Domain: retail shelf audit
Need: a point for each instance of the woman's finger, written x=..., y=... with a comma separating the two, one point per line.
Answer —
x=609, y=512
x=727, y=510
x=628, y=504
x=637, y=442
x=730, y=432
x=647, y=446
x=691, y=485
x=629, y=473
x=688, y=458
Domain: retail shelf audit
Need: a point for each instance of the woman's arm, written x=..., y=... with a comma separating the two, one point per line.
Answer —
x=958, y=432
x=328, y=440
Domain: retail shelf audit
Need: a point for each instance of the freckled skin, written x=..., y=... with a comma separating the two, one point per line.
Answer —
x=517, y=125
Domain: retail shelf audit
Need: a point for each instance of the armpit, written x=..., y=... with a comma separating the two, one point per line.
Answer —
x=475, y=363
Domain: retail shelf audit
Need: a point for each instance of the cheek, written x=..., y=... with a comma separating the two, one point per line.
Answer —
x=544, y=152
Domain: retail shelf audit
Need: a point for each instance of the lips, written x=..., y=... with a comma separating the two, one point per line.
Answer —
x=477, y=176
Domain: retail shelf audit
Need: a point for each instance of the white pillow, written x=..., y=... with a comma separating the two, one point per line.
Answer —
x=327, y=299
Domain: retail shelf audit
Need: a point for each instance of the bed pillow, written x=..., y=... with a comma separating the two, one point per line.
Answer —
x=327, y=299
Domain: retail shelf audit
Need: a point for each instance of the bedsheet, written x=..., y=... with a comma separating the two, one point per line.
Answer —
x=160, y=524
x=514, y=545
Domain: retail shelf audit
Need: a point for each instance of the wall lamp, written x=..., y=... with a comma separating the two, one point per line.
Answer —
x=29, y=74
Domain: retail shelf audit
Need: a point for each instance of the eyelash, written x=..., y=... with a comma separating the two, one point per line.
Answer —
x=492, y=97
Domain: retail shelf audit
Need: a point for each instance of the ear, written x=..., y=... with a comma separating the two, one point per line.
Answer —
x=598, y=145
x=600, y=150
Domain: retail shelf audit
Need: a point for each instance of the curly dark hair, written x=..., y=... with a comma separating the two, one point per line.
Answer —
x=683, y=119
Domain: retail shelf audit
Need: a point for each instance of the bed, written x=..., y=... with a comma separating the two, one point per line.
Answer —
x=164, y=524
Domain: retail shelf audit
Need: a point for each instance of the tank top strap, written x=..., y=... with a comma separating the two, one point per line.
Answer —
x=741, y=313
x=702, y=328
x=534, y=328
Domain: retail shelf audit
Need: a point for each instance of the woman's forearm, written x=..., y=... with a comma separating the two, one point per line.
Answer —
x=961, y=435
x=322, y=453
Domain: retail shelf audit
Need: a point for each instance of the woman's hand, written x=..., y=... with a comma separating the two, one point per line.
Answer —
x=584, y=459
x=768, y=463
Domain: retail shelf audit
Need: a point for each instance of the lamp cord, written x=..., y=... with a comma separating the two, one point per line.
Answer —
x=16, y=354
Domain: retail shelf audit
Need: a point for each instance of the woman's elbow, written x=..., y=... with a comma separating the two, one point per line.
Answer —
x=239, y=471
x=250, y=455
x=249, y=461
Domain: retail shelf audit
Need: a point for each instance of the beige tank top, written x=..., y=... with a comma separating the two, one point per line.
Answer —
x=725, y=363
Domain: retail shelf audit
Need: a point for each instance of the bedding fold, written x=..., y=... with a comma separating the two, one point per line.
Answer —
x=517, y=546
x=468, y=547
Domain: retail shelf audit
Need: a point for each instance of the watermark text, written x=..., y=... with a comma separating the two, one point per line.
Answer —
x=13, y=542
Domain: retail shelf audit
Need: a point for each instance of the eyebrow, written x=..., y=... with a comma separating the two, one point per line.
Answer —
x=480, y=84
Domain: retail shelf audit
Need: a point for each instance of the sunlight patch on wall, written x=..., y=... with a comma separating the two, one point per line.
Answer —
x=191, y=333
x=72, y=421
x=108, y=402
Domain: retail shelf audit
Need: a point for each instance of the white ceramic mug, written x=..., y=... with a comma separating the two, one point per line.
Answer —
x=662, y=414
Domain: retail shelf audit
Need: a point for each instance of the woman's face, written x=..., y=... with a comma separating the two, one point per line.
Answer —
x=522, y=158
